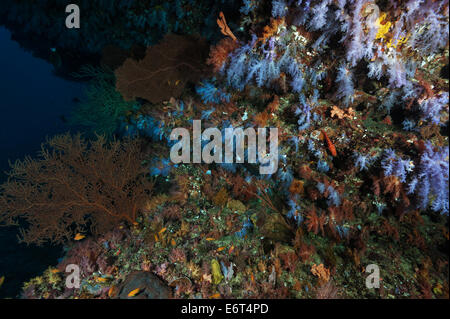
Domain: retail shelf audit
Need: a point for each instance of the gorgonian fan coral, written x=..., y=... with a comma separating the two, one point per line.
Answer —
x=75, y=186
x=164, y=71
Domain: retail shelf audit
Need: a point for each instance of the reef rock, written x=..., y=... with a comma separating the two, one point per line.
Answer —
x=149, y=286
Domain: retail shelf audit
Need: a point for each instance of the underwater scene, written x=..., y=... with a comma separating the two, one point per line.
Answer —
x=224, y=149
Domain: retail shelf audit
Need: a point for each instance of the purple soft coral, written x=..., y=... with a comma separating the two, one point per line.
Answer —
x=432, y=108
x=432, y=179
x=395, y=165
x=279, y=8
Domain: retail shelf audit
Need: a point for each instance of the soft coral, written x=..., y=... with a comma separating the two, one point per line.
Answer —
x=432, y=179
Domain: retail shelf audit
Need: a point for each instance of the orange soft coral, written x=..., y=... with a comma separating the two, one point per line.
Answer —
x=321, y=272
x=219, y=53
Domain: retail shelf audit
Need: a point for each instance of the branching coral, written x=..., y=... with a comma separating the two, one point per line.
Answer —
x=74, y=185
x=104, y=108
x=164, y=71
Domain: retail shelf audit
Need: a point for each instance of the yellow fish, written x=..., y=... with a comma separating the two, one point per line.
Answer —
x=2, y=280
x=209, y=239
x=134, y=292
x=79, y=236
x=216, y=273
x=101, y=279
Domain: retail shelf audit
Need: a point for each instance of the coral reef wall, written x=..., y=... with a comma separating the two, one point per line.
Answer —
x=359, y=93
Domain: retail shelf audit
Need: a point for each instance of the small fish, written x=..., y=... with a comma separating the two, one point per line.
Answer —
x=216, y=272
x=112, y=291
x=231, y=250
x=215, y=296
x=177, y=82
x=156, y=238
x=173, y=242
x=2, y=280
x=101, y=279
x=134, y=292
x=330, y=145
x=209, y=239
x=55, y=271
x=220, y=249
x=79, y=236
x=162, y=230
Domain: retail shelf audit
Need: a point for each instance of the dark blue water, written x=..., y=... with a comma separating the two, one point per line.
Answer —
x=33, y=105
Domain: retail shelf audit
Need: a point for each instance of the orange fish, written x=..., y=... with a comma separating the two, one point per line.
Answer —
x=209, y=239
x=134, y=292
x=230, y=250
x=162, y=230
x=215, y=296
x=112, y=291
x=79, y=236
x=220, y=249
x=330, y=145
